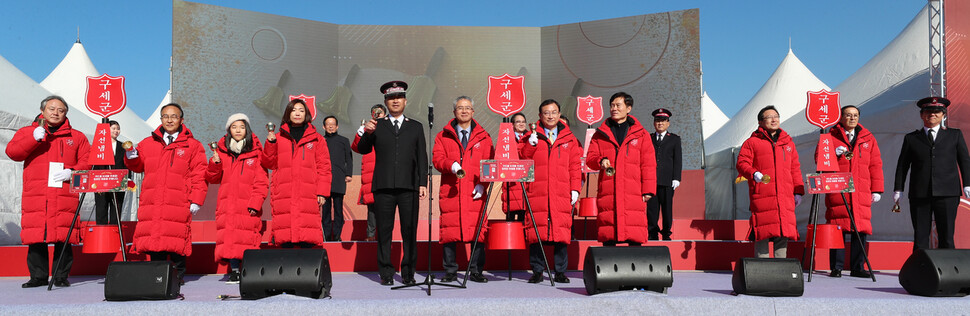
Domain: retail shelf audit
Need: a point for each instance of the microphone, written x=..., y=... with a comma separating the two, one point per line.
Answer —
x=431, y=112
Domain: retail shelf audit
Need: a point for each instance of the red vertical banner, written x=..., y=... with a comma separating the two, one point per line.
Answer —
x=102, y=153
x=506, y=148
x=582, y=162
x=825, y=158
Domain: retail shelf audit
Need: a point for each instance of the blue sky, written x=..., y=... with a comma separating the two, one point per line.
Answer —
x=741, y=41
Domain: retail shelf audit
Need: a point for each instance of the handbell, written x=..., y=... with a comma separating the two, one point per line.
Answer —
x=214, y=146
x=848, y=156
x=363, y=122
x=610, y=171
x=377, y=111
x=127, y=145
x=766, y=179
x=896, y=207
x=270, y=127
x=532, y=127
x=460, y=174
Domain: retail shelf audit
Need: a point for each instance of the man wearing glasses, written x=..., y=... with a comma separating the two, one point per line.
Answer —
x=458, y=151
x=935, y=154
x=173, y=190
x=769, y=159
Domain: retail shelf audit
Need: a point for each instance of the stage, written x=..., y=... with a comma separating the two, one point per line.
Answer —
x=693, y=293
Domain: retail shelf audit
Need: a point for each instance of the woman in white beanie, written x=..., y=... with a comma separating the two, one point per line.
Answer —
x=235, y=166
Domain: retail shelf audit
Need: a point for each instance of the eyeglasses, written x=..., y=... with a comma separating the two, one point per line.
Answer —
x=170, y=117
x=464, y=108
x=771, y=117
x=554, y=113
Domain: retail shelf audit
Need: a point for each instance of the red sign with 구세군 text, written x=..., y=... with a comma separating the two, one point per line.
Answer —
x=311, y=103
x=506, y=94
x=823, y=108
x=589, y=109
x=105, y=95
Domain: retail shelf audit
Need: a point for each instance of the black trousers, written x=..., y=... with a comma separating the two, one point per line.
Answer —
x=560, y=257
x=406, y=202
x=38, y=261
x=856, y=261
x=661, y=204
x=476, y=263
x=105, y=206
x=332, y=227
x=924, y=211
x=177, y=259
x=371, y=220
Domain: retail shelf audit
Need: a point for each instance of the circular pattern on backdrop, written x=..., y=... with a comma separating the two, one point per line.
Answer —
x=269, y=44
x=604, y=55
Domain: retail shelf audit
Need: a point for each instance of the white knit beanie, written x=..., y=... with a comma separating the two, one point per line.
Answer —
x=236, y=117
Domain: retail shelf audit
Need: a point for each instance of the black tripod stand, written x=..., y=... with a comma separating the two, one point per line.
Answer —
x=429, y=278
x=814, y=221
x=483, y=216
x=67, y=242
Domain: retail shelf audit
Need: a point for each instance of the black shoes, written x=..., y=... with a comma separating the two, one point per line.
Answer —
x=449, y=277
x=860, y=274
x=667, y=238
x=536, y=277
x=561, y=278
x=233, y=277
x=836, y=273
x=387, y=281
x=478, y=277
x=34, y=282
x=409, y=281
x=61, y=282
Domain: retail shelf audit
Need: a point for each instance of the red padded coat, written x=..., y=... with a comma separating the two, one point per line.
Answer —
x=459, y=212
x=174, y=179
x=366, y=197
x=557, y=174
x=301, y=172
x=622, y=213
x=772, y=204
x=243, y=185
x=46, y=213
x=866, y=169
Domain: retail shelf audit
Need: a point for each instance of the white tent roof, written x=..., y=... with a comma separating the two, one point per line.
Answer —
x=22, y=96
x=69, y=81
x=19, y=106
x=785, y=89
x=904, y=57
x=711, y=116
x=155, y=120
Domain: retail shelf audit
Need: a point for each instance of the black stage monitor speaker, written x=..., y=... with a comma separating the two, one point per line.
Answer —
x=769, y=277
x=301, y=272
x=608, y=269
x=937, y=272
x=143, y=280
